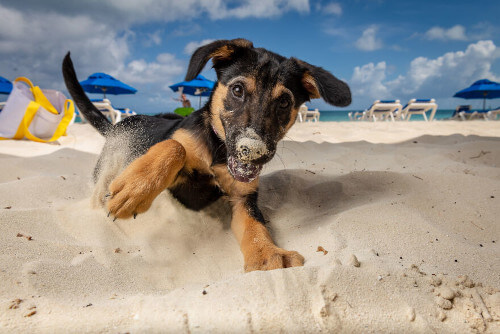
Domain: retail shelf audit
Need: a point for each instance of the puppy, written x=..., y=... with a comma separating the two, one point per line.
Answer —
x=216, y=151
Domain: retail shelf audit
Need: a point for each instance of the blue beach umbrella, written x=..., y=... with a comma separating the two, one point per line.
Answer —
x=5, y=86
x=199, y=86
x=481, y=89
x=106, y=84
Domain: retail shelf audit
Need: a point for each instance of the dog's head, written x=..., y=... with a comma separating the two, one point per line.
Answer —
x=257, y=98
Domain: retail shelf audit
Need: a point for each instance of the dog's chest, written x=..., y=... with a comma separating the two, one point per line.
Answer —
x=196, y=189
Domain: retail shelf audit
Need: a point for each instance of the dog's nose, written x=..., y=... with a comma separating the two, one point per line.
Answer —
x=250, y=149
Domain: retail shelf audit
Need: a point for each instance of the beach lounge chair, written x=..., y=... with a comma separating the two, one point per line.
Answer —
x=465, y=113
x=357, y=116
x=306, y=115
x=383, y=110
x=458, y=109
x=494, y=114
x=419, y=107
x=114, y=114
x=470, y=115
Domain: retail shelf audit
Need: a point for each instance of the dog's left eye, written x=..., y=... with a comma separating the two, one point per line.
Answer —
x=284, y=103
x=237, y=91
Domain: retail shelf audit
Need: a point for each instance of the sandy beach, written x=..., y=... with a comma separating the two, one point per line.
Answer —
x=398, y=224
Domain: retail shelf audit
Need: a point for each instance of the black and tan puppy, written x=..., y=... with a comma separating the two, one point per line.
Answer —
x=218, y=150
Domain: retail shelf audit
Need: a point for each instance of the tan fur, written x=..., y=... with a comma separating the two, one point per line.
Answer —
x=257, y=246
x=248, y=82
x=216, y=108
x=311, y=86
x=197, y=154
x=137, y=186
x=293, y=116
x=279, y=89
x=222, y=53
x=259, y=251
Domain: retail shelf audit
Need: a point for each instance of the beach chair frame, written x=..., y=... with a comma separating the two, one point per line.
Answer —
x=383, y=110
x=115, y=115
x=306, y=115
x=419, y=107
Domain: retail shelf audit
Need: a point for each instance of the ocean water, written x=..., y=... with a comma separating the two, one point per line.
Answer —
x=342, y=115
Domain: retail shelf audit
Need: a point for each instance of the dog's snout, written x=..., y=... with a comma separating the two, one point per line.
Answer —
x=250, y=149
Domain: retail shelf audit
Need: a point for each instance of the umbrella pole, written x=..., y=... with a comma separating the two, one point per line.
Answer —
x=484, y=104
x=199, y=104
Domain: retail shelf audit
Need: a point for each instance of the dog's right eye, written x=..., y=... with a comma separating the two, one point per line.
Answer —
x=237, y=91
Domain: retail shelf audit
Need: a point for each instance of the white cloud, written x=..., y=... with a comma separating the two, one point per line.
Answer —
x=259, y=9
x=368, y=40
x=34, y=45
x=122, y=13
x=163, y=70
x=367, y=80
x=192, y=46
x=332, y=8
x=456, y=33
x=436, y=78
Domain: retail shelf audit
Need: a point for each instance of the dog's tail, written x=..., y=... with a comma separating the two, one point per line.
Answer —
x=89, y=111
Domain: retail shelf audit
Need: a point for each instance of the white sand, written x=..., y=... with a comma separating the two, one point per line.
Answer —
x=403, y=211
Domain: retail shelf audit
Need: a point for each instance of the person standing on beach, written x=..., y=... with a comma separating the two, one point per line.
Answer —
x=185, y=102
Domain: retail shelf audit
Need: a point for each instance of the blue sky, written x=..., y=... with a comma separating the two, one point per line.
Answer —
x=383, y=49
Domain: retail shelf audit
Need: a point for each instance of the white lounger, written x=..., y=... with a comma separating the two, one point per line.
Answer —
x=419, y=107
x=493, y=114
x=383, y=110
x=306, y=115
x=114, y=114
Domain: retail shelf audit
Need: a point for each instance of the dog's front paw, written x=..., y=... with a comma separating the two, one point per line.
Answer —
x=272, y=257
x=129, y=196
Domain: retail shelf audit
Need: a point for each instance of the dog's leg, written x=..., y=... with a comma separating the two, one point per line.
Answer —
x=134, y=190
x=259, y=250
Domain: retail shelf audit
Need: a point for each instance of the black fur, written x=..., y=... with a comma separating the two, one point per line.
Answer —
x=253, y=209
x=92, y=114
x=331, y=89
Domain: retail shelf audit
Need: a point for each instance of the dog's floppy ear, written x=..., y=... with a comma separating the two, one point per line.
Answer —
x=321, y=83
x=219, y=51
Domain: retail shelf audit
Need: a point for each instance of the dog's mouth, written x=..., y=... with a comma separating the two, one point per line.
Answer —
x=243, y=171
